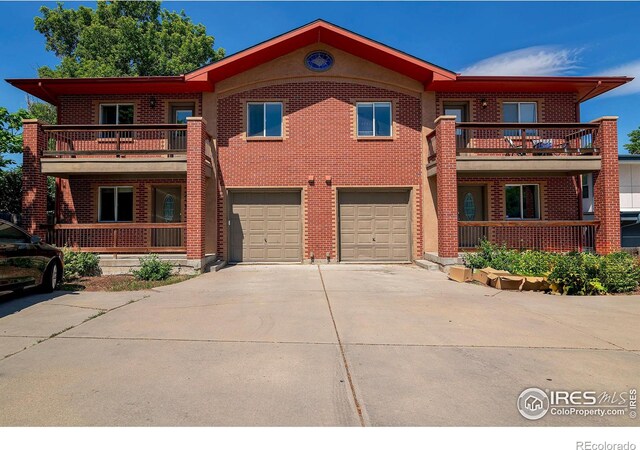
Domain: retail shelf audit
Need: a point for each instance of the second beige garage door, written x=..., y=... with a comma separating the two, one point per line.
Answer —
x=265, y=227
x=374, y=226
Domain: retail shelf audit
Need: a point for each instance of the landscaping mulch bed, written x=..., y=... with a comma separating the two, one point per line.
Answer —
x=118, y=283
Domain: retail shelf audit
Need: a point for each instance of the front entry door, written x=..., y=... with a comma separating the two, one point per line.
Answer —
x=471, y=208
x=179, y=114
x=167, y=208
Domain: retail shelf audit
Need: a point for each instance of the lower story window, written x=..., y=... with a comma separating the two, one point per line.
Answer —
x=115, y=204
x=522, y=201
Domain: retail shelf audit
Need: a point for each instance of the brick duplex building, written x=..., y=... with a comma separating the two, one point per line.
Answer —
x=321, y=145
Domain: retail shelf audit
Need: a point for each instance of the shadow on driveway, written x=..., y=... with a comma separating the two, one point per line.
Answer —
x=16, y=301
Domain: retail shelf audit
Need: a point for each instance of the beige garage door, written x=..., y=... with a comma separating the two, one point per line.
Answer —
x=265, y=227
x=374, y=226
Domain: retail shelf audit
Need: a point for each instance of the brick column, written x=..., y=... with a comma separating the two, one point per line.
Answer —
x=606, y=187
x=447, y=189
x=196, y=187
x=34, y=183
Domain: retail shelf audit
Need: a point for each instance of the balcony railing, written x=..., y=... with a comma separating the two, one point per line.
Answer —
x=531, y=139
x=120, y=141
x=547, y=235
x=120, y=237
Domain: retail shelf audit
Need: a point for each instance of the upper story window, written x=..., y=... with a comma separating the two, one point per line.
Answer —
x=374, y=119
x=115, y=204
x=520, y=112
x=522, y=201
x=264, y=119
x=116, y=114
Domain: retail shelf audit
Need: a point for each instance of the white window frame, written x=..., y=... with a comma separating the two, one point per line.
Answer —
x=520, y=185
x=535, y=104
x=115, y=204
x=117, y=105
x=264, y=120
x=374, y=135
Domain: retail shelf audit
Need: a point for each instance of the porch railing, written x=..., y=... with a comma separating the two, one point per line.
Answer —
x=73, y=141
x=519, y=139
x=547, y=235
x=120, y=237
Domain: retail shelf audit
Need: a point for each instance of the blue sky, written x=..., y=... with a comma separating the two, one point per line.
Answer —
x=571, y=38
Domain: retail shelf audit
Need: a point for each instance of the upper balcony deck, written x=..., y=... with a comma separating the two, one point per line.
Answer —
x=111, y=149
x=551, y=148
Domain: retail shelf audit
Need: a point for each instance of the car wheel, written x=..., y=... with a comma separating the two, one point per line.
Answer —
x=50, y=278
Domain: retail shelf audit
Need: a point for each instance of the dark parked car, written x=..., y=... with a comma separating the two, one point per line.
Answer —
x=27, y=261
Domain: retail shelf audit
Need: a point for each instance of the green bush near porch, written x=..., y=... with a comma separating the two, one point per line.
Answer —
x=152, y=268
x=572, y=273
x=79, y=264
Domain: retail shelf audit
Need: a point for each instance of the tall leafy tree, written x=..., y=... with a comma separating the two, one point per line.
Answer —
x=11, y=127
x=634, y=142
x=123, y=38
x=11, y=134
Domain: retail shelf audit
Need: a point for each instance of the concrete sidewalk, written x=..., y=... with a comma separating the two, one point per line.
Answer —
x=303, y=345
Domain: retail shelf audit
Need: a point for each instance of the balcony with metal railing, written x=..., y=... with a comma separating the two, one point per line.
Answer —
x=551, y=148
x=104, y=149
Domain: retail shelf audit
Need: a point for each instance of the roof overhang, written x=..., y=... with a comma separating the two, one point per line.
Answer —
x=329, y=34
x=585, y=87
x=50, y=89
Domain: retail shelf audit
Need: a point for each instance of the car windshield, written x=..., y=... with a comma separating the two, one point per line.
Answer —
x=12, y=235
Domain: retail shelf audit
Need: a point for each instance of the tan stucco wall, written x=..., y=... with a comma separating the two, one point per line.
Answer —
x=346, y=66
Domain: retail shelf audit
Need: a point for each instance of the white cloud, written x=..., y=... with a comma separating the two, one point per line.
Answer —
x=534, y=61
x=631, y=69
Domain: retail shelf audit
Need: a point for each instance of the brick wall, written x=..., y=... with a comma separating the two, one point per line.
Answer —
x=606, y=188
x=552, y=106
x=83, y=109
x=320, y=141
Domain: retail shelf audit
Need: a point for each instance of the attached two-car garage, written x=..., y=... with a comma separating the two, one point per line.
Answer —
x=266, y=226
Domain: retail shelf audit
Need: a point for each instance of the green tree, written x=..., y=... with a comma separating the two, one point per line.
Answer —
x=11, y=126
x=11, y=133
x=634, y=142
x=122, y=38
x=11, y=188
x=46, y=112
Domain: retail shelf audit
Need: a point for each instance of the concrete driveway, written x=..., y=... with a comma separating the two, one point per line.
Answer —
x=308, y=345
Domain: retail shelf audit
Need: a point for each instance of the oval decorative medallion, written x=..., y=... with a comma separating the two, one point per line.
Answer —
x=318, y=61
x=469, y=206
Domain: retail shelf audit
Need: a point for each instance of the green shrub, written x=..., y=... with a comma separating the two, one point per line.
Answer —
x=491, y=255
x=153, y=268
x=574, y=273
x=619, y=272
x=80, y=264
x=590, y=274
x=534, y=263
x=570, y=274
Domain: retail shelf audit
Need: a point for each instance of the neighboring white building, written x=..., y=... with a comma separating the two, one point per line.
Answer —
x=629, y=199
x=629, y=187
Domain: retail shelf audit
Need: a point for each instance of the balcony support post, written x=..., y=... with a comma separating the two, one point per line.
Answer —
x=606, y=187
x=196, y=189
x=34, y=182
x=447, y=187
